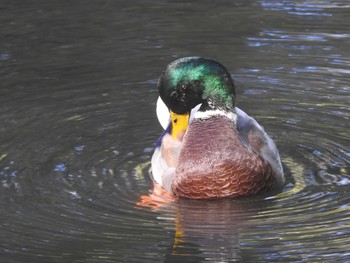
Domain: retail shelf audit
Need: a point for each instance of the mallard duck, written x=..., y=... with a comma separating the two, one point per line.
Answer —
x=210, y=148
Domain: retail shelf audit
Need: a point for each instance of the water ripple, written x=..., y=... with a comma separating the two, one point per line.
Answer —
x=78, y=129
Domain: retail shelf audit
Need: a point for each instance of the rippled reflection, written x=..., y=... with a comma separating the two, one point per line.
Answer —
x=304, y=8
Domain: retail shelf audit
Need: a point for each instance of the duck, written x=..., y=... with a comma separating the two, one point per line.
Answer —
x=209, y=149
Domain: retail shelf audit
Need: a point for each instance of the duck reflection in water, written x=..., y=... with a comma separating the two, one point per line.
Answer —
x=205, y=229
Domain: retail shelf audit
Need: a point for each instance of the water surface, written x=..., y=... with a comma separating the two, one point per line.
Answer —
x=78, y=124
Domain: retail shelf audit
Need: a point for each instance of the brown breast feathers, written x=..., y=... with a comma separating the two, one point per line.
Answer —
x=214, y=163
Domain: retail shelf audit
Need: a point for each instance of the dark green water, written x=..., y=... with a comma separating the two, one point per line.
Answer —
x=77, y=127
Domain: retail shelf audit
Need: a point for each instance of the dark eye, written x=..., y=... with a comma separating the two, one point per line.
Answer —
x=182, y=87
x=174, y=95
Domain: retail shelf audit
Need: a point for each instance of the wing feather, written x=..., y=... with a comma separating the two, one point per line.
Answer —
x=254, y=136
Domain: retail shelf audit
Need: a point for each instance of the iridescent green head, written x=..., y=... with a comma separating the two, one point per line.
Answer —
x=189, y=81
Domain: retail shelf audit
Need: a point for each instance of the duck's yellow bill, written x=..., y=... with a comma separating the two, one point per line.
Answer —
x=179, y=124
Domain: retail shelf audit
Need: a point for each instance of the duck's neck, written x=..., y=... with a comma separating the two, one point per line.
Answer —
x=231, y=115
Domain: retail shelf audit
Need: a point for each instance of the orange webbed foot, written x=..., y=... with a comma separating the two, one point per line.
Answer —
x=157, y=199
